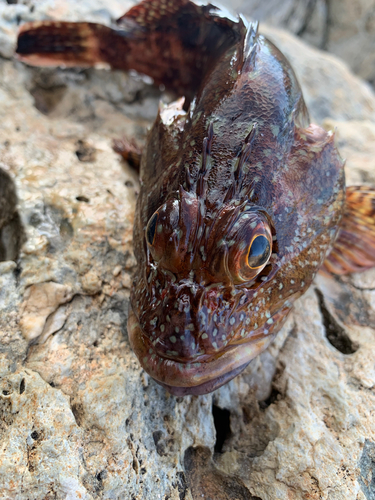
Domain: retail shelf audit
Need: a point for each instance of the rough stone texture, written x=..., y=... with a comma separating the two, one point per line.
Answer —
x=79, y=418
x=344, y=27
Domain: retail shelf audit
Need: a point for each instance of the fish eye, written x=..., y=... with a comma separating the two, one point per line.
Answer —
x=151, y=229
x=259, y=252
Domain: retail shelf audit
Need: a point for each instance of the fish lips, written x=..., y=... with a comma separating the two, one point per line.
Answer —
x=192, y=377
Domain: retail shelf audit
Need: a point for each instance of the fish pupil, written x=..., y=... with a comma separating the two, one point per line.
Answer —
x=151, y=229
x=259, y=252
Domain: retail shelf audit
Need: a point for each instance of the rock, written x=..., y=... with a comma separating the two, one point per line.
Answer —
x=344, y=28
x=79, y=418
x=40, y=302
x=326, y=81
x=36, y=457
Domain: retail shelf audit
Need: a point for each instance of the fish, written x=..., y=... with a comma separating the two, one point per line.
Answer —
x=242, y=200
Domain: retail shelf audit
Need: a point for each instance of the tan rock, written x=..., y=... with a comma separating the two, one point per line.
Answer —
x=87, y=422
x=91, y=284
x=345, y=28
x=329, y=88
x=40, y=440
x=40, y=301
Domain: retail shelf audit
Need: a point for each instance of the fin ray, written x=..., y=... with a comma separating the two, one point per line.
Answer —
x=354, y=249
x=172, y=42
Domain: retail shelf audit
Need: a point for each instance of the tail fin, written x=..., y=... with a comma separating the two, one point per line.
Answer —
x=172, y=42
x=50, y=43
x=354, y=249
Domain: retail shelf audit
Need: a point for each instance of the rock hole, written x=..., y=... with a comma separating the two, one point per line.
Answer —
x=22, y=386
x=335, y=334
x=159, y=443
x=222, y=425
x=34, y=435
x=12, y=234
x=101, y=475
x=47, y=99
x=78, y=412
x=135, y=465
x=11, y=2
x=273, y=397
x=82, y=198
x=181, y=485
x=95, y=343
x=85, y=152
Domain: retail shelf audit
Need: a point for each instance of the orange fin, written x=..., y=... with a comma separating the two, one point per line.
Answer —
x=173, y=42
x=354, y=248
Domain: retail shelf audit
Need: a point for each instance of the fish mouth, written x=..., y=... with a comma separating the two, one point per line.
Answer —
x=192, y=377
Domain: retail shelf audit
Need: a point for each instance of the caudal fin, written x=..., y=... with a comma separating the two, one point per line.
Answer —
x=172, y=42
x=50, y=43
x=354, y=249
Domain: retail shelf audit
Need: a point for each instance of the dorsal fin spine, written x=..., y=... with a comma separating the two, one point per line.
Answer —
x=250, y=46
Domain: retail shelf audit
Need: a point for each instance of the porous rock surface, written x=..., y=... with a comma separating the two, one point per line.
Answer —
x=345, y=28
x=79, y=419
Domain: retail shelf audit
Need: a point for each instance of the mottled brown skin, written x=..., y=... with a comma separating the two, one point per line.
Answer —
x=242, y=162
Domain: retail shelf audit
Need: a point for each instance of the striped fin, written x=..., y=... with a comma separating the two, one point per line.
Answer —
x=50, y=43
x=354, y=249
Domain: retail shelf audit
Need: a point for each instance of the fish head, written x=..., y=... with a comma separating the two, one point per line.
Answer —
x=221, y=279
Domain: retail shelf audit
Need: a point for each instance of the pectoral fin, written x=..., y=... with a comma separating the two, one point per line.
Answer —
x=354, y=248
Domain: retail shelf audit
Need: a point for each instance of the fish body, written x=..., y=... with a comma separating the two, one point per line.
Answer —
x=241, y=198
x=242, y=161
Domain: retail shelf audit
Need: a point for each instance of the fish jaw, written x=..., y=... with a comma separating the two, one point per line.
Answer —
x=194, y=377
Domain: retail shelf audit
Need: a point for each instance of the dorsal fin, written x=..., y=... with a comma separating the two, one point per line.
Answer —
x=149, y=13
x=250, y=46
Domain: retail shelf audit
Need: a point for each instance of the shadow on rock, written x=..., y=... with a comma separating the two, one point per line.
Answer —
x=12, y=234
x=206, y=481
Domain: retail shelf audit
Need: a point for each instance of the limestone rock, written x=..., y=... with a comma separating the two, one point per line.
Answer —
x=41, y=301
x=345, y=28
x=79, y=418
